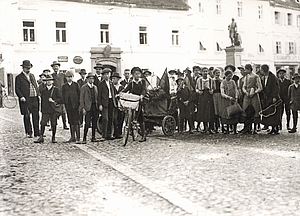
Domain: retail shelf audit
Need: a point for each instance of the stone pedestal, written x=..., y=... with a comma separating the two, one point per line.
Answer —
x=234, y=55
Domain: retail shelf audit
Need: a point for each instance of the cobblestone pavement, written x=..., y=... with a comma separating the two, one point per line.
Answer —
x=180, y=175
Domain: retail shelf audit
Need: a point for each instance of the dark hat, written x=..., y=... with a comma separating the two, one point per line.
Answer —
x=173, y=71
x=49, y=77
x=82, y=71
x=116, y=74
x=232, y=67
x=147, y=71
x=281, y=70
x=241, y=67
x=248, y=66
x=46, y=70
x=26, y=64
x=296, y=75
x=136, y=69
x=106, y=70
x=98, y=65
x=179, y=78
x=69, y=73
x=42, y=74
x=204, y=68
x=55, y=63
x=90, y=74
x=196, y=67
x=211, y=68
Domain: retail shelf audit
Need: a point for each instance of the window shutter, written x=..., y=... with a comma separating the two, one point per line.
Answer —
x=286, y=48
x=295, y=48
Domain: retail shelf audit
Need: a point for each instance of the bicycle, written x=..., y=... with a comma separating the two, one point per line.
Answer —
x=9, y=102
x=129, y=103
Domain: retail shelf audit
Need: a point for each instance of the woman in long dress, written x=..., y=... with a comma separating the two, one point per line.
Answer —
x=217, y=99
x=229, y=93
x=205, y=108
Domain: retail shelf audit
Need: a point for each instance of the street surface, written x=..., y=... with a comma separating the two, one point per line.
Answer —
x=181, y=175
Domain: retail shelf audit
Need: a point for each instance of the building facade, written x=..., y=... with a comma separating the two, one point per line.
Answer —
x=153, y=35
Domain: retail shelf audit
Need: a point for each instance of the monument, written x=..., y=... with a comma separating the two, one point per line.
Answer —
x=234, y=52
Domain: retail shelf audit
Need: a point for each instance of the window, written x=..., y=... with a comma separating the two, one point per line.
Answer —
x=218, y=7
x=277, y=17
x=201, y=46
x=143, y=34
x=61, y=32
x=219, y=47
x=278, y=47
x=104, y=33
x=240, y=8
x=290, y=19
x=298, y=20
x=175, y=37
x=200, y=7
x=260, y=48
x=292, y=47
x=260, y=11
x=28, y=31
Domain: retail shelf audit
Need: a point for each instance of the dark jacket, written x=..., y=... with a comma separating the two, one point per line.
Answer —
x=184, y=94
x=22, y=88
x=136, y=88
x=59, y=79
x=270, y=90
x=284, y=86
x=45, y=95
x=103, y=95
x=96, y=81
x=86, y=97
x=71, y=95
x=81, y=82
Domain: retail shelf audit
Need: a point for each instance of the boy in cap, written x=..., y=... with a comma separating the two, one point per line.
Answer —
x=119, y=115
x=107, y=104
x=50, y=94
x=138, y=87
x=294, y=95
x=89, y=106
x=284, y=84
x=98, y=67
x=71, y=96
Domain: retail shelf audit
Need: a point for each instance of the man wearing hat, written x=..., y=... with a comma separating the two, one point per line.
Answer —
x=71, y=96
x=89, y=106
x=251, y=88
x=270, y=96
x=119, y=115
x=59, y=80
x=27, y=91
x=43, y=82
x=107, y=104
x=82, y=80
x=49, y=95
x=284, y=84
x=294, y=94
x=98, y=67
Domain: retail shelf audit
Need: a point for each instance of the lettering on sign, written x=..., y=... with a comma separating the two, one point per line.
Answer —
x=62, y=58
x=77, y=59
x=287, y=57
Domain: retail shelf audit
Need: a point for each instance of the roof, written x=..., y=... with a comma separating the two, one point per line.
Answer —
x=152, y=4
x=292, y=4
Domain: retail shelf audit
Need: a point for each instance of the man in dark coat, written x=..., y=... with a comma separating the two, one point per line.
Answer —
x=81, y=82
x=107, y=103
x=270, y=96
x=49, y=95
x=89, y=106
x=27, y=91
x=284, y=84
x=59, y=80
x=71, y=96
x=98, y=67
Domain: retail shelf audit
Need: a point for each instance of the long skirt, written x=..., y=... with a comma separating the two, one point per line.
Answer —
x=217, y=103
x=205, y=108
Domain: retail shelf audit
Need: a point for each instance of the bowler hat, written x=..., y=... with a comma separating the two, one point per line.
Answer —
x=42, y=74
x=248, y=66
x=49, y=77
x=46, y=70
x=55, y=63
x=136, y=69
x=106, y=70
x=116, y=74
x=69, y=73
x=173, y=71
x=281, y=70
x=26, y=64
x=82, y=71
x=147, y=71
x=296, y=75
x=232, y=67
x=98, y=65
x=241, y=67
x=90, y=74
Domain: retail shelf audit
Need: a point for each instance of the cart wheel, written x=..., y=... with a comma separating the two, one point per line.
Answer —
x=168, y=125
x=99, y=125
x=127, y=127
x=9, y=102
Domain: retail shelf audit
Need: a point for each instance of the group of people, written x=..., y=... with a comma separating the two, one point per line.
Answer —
x=220, y=103
x=59, y=95
x=213, y=98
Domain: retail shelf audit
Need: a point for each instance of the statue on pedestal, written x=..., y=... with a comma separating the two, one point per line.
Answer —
x=234, y=36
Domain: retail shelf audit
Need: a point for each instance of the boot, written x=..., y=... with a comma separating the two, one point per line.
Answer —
x=235, y=129
x=180, y=128
x=64, y=120
x=288, y=118
x=77, y=131
x=41, y=138
x=72, y=130
x=143, y=139
x=53, y=134
x=294, y=129
x=190, y=122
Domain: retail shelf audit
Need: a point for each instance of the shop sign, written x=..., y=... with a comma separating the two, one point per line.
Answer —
x=77, y=59
x=287, y=57
x=62, y=58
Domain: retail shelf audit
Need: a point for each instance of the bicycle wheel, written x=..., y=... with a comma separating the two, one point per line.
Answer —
x=127, y=126
x=9, y=102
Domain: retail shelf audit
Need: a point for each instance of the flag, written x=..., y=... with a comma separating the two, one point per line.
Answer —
x=164, y=82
